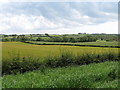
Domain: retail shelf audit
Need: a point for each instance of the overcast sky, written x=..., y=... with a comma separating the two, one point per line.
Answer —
x=58, y=17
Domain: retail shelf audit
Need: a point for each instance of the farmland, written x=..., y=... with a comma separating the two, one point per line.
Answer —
x=12, y=48
x=41, y=64
x=62, y=44
x=94, y=44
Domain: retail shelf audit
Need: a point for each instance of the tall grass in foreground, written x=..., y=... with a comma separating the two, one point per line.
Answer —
x=19, y=64
x=101, y=75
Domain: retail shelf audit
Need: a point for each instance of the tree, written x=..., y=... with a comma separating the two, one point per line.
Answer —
x=72, y=39
x=6, y=39
x=65, y=39
x=47, y=34
x=23, y=38
x=39, y=39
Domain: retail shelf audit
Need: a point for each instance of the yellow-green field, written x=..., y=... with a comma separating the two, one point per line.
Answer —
x=32, y=66
x=10, y=49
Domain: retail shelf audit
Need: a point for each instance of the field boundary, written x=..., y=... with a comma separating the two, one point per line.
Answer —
x=72, y=45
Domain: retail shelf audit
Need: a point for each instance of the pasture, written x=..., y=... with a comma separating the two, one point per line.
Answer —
x=97, y=43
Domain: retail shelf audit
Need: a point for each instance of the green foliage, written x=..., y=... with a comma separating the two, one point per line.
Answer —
x=98, y=43
x=73, y=40
x=101, y=75
x=19, y=64
x=64, y=58
x=39, y=39
x=65, y=39
x=6, y=39
x=31, y=57
x=23, y=39
x=61, y=38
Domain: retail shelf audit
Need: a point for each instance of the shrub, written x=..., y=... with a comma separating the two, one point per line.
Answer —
x=20, y=65
x=65, y=58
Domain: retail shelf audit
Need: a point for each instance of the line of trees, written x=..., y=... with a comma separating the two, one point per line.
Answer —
x=23, y=38
x=59, y=38
x=69, y=39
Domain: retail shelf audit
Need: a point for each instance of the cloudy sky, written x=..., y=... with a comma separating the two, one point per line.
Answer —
x=58, y=17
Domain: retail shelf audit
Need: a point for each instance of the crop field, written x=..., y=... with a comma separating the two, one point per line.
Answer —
x=11, y=49
x=58, y=66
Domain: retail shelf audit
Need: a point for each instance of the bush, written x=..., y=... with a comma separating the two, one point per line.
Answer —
x=39, y=39
x=6, y=39
x=19, y=64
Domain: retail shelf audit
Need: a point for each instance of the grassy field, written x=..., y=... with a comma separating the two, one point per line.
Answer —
x=102, y=75
x=58, y=66
x=11, y=49
x=97, y=43
x=22, y=57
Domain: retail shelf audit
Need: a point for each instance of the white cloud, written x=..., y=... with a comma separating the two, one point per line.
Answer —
x=109, y=27
x=58, y=18
x=38, y=24
x=24, y=22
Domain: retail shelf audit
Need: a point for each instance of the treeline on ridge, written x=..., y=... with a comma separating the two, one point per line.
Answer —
x=60, y=38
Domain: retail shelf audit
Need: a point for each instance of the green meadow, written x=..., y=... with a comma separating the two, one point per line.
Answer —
x=102, y=75
x=97, y=43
